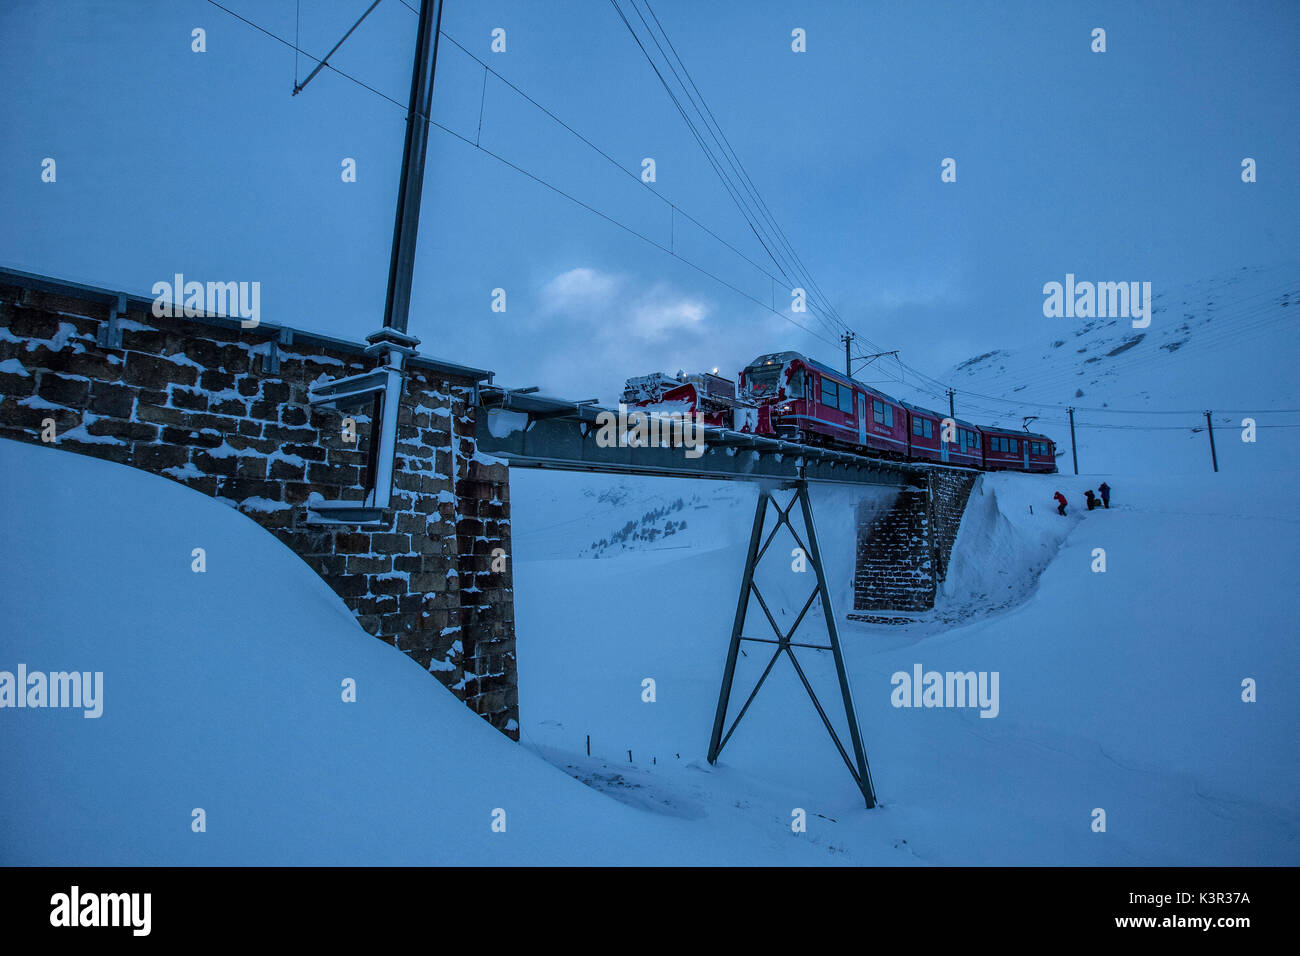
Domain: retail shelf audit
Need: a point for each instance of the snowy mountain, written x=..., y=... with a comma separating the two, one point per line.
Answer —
x=1228, y=344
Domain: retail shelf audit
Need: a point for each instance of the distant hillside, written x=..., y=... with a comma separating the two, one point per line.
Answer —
x=1227, y=343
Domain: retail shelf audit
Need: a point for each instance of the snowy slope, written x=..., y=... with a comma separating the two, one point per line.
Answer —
x=222, y=692
x=1119, y=690
x=1228, y=343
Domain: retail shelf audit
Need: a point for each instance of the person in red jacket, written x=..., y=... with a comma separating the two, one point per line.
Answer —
x=1060, y=499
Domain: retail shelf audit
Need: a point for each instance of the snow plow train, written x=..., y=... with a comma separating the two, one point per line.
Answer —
x=790, y=396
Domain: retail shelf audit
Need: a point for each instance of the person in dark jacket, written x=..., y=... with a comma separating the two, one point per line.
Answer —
x=1091, y=498
x=1060, y=503
x=1105, y=494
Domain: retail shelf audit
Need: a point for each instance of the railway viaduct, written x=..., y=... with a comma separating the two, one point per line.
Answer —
x=388, y=472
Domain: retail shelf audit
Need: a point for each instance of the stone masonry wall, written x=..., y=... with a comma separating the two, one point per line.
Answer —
x=196, y=401
x=903, y=551
x=895, y=564
x=949, y=491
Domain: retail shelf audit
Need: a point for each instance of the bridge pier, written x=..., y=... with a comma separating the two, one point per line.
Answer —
x=857, y=766
x=903, y=551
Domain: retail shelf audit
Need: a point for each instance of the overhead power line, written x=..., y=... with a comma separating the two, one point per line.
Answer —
x=734, y=190
x=677, y=210
x=532, y=176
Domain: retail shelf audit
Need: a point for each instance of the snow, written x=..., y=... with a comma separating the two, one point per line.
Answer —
x=483, y=458
x=222, y=691
x=186, y=470
x=288, y=459
x=502, y=423
x=1225, y=342
x=79, y=433
x=35, y=401
x=13, y=367
x=225, y=450
x=317, y=359
x=265, y=505
x=1119, y=689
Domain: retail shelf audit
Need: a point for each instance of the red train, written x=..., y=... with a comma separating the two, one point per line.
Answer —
x=799, y=399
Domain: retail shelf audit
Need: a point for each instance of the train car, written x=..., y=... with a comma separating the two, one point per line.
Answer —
x=925, y=438
x=811, y=402
x=1007, y=449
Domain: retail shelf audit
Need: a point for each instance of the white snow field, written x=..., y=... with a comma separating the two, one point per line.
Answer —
x=222, y=691
x=1120, y=691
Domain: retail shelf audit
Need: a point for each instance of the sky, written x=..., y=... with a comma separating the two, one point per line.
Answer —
x=1115, y=166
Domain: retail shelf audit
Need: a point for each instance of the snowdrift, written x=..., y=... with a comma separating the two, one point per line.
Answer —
x=222, y=692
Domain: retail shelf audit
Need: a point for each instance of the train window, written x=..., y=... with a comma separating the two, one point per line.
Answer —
x=889, y=415
x=1015, y=445
x=916, y=425
x=796, y=384
x=929, y=428
x=846, y=400
x=878, y=410
x=830, y=393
